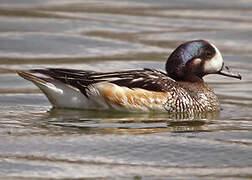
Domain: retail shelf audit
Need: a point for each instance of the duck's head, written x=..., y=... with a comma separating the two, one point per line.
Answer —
x=194, y=59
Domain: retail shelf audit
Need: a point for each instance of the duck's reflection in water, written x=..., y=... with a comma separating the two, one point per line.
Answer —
x=109, y=122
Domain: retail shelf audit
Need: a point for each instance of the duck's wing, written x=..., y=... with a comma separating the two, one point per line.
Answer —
x=147, y=79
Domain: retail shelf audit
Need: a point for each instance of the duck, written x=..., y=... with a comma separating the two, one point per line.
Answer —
x=181, y=89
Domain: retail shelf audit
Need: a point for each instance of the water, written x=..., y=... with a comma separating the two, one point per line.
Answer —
x=38, y=142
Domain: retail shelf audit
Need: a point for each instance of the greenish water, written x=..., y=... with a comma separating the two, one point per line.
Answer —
x=37, y=142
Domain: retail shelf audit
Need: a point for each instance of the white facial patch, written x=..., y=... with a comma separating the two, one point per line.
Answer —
x=215, y=64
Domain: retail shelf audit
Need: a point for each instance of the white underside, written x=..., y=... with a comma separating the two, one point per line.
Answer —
x=62, y=96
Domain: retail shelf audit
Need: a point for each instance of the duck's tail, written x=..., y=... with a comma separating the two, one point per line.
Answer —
x=59, y=94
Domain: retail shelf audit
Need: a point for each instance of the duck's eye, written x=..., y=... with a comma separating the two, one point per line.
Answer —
x=208, y=54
